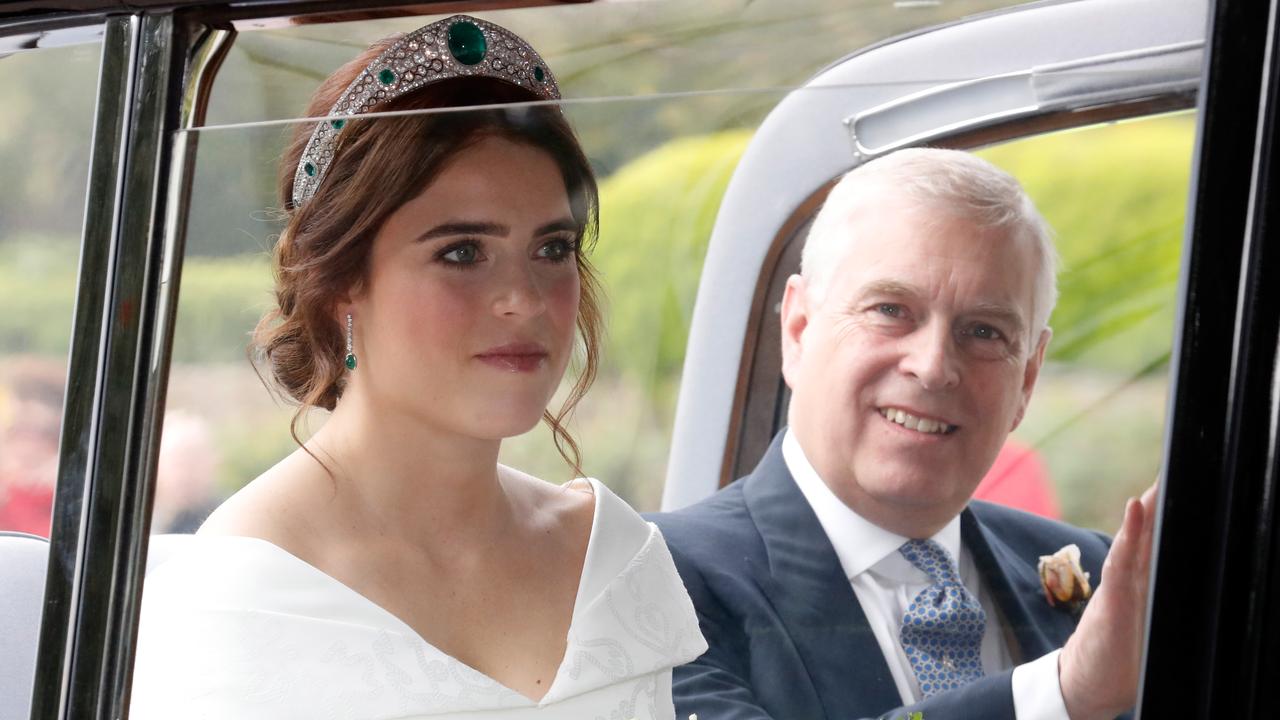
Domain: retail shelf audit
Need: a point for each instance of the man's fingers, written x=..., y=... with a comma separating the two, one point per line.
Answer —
x=1149, y=527
x=1123, y=556
x=1149, y=495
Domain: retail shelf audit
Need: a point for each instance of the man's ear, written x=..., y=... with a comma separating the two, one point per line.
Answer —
x=1030, y=374
x=794, y=319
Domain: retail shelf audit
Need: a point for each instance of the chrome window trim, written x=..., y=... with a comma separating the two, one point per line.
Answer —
x=1161, y=71
x=119, y=359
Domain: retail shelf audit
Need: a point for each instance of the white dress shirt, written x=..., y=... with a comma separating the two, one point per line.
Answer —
x=885, y=583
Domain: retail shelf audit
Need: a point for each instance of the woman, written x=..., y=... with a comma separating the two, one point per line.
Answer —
x=431, y=282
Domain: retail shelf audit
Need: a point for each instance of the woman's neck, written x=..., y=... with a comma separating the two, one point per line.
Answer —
x=397, y=477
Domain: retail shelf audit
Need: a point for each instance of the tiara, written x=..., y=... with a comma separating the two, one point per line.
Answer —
x=459, y=46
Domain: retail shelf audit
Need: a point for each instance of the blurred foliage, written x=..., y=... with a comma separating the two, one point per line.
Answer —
x=1116, y=196
x=1103, y=389
x=1119, y=234
x=48, y=99
x=608, y=50
x=691, y=80
x=656, y=216
x=635, y=76
x=37, y=288
x=220, y=303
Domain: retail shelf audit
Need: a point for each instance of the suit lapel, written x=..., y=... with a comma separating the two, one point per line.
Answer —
x=1014, y=583
x=807, y=588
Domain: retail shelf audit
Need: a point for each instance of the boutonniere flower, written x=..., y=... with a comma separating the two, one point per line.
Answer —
x=1064, y=582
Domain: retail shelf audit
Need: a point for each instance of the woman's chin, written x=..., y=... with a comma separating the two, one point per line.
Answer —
x=508, y=424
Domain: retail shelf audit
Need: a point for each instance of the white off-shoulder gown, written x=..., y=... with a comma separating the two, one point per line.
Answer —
x=236, y=627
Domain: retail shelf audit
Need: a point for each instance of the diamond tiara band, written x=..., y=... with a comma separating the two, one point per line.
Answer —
x=459, y=46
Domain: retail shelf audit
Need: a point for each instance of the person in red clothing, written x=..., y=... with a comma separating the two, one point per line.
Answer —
x=30, y=417
x=1020, y=479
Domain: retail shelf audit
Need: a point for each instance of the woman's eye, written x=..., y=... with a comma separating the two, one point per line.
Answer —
x=461, y=254
x=556, y=249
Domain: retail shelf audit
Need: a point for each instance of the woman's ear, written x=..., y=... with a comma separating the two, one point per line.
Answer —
x=344, y=304
x=341, y=309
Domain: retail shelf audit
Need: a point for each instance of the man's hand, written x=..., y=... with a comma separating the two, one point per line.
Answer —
x=1100, y=664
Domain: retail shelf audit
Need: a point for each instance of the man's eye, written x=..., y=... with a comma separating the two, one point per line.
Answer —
x=559, y=249
x=890, y=309
x=985, y=332
x=461, y=254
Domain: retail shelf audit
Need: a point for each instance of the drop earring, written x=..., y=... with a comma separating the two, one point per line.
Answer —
x=351, y=355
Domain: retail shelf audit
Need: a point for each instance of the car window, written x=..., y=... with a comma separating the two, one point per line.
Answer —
x=48, y=100
x=44, y=158
x=666, y=103
x=664, y=97
x=1115, y=195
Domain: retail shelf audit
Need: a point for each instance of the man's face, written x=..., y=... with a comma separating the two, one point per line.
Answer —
x=913, y=366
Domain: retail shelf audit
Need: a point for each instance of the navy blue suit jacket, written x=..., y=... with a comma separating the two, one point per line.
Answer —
x=788, y=638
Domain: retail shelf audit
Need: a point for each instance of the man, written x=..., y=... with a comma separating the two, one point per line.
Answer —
x=849, y=575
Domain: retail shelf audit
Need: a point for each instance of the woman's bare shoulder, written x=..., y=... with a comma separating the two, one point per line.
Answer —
x=569, y=508
x=272, y=507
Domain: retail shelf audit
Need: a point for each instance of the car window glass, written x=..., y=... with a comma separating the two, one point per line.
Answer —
x=665, y=102
x=1115, y=195
x=657, y=203
x=664, y=97
x=604, y=50
x=48, y=100
x=1103, y=388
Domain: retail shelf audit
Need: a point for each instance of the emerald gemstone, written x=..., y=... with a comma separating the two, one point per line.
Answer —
x=467, y=43
x=310, y=169
x=387, y=76
x=337, y=124
x=538, y=74
x=351, y=361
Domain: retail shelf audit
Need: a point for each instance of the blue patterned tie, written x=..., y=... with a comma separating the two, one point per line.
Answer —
x=942, y=630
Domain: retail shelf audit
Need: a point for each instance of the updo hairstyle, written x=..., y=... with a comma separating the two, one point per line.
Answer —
x=379, y=165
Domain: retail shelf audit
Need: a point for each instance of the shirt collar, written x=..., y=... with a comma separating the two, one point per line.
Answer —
x=859, y=543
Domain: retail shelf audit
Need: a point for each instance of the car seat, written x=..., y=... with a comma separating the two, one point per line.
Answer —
x=24, y=563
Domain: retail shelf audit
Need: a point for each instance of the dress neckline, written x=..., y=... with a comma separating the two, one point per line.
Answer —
x=578, y=601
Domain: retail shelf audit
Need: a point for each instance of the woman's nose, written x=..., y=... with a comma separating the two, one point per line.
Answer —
x=519, y=293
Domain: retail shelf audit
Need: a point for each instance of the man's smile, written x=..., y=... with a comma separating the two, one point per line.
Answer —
x=919, y=423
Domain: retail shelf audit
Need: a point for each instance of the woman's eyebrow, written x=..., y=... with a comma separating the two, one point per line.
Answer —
x=555, y=226
x=450, y=229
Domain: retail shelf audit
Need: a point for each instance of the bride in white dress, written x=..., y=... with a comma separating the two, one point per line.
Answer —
x=431, y=283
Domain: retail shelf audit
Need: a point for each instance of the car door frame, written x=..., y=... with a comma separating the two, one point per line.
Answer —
x=1220, y=591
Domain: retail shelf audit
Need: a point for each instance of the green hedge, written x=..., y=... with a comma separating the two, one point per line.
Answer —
x=1118, y=222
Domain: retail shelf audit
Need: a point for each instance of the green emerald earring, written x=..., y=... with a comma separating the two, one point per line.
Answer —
x=351, y=354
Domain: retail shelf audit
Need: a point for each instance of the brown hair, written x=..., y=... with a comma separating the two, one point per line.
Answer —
x=378, y=166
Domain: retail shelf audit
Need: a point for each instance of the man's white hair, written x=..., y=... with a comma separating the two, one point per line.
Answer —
x=932, y=179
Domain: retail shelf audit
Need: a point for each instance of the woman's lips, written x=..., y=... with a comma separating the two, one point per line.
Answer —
x=515, y=357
